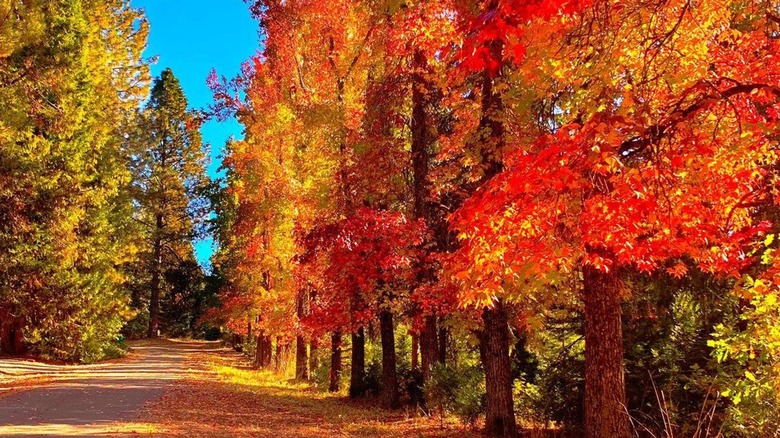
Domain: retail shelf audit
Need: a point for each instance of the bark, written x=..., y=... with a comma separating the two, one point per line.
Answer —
x=429, y=346
x=263, y=350
x=11, y=335
x=443, y=337
x=301, y=359
x=357, y=377
x=494, y=351
x=605, y=392
x=278, y=355
x=494, y=340
x=390, y=396
x=301, y=353
x=420, y=139
x=422, y=136
x=259, y=351
x=267, y=350
x=154, y=301
x=415, y=351
x=335, y=361
x=314, y=360
x=247, y=347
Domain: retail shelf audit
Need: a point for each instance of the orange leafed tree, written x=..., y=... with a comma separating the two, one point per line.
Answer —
x=647, y=152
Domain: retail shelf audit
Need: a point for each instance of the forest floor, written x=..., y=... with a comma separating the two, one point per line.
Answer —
x=227, y=398
x=187, y=389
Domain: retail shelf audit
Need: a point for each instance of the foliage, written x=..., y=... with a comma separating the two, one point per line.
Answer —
x=460, y=391
x=71, y=74
x=169, y=185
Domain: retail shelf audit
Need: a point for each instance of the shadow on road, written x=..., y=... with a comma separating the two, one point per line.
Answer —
x=88, y=400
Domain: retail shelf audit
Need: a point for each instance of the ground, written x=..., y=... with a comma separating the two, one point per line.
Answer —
x=192, y=389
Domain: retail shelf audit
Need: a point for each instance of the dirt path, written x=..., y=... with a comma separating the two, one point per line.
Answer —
x=90, y=400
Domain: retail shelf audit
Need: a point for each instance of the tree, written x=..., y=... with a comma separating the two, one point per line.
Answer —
x=169, y=179
x=71, y=75
x=636, y=169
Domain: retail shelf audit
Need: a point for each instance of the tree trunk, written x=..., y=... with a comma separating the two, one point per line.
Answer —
x=263, y=350
x=301, y=353
x=390, y=396
x=357, y=377
x=429, y=346
x=415, y=351
x=267, y=351
x=443, y=336
x=278, y=355
x=314, y=360
x=335, y=361
x=154, y=301
x=301, y=359
x=259, y=350
x=11, y=335
x=494, y=350
x=422, y=137
x=605, y=392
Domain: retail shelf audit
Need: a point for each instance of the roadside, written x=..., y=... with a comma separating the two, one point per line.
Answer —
x=188, y=389
x=227, y=398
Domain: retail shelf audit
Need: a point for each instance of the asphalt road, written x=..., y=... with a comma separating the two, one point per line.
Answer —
x=86, y=401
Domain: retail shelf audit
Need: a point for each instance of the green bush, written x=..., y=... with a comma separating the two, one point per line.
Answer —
x=212, y=334
x=460, y=391
x=138, y=327
x=373, y=379
x=115, y=350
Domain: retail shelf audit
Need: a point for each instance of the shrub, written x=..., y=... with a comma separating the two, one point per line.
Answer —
x=460, y=391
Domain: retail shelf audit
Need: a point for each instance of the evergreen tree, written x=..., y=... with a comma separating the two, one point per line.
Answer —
x=71, y=74
x=168, y=162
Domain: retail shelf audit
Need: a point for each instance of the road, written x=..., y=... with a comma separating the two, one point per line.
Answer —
x=90, y=400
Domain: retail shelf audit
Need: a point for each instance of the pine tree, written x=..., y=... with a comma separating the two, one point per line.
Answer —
x=168, y=162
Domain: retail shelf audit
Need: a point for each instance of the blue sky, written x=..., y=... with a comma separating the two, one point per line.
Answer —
x=192, y=37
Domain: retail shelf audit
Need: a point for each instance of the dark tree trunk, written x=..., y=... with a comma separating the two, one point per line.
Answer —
x=494, y=342
x=314, y=360
x=494, y=350
x=335, y=361
x=443, y=337
x=605, y=392
x=301, y=353
x=154, y=301
x=357, y=377
x=422, y=136
x=11, y=335
x=301, y=359
x=415, y=351
x=263, y=350
x=259, y=350
x=235, y=341
x=390, y=396
x=429, y=346
x=278, y=355
x=267, y=351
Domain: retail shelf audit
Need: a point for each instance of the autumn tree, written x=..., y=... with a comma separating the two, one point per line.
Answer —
x=168, y=163
x=71, y=76
x=638, y=168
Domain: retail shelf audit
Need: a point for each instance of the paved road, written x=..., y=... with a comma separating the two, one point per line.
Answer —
x=85, y=401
